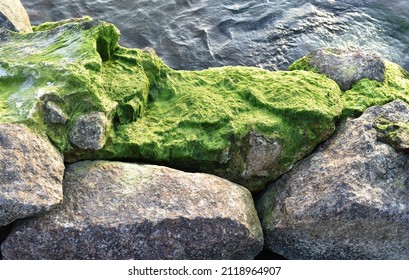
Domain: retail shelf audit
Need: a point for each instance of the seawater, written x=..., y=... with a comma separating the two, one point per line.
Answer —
x=197, y=34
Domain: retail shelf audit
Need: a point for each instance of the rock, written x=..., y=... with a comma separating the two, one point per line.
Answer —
x=262, y=155
x=245, y=124
x=114, y=210
x=89, y=131
x=54, y=114
x=14, y=17
x=31, y=174
x=257, y=157
x=349, y=200
x=345, y=67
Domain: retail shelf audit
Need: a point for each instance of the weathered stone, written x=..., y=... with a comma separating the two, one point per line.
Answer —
x=54, y=114
x=89, y=131
x=349, y=200
x=31, y=174
x=13, y=16
x=257, y=157
x=346, y=67
x=115, y=210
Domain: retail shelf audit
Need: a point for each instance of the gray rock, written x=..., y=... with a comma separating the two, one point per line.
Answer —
x=262, y=155
x=31, y=174
x=88, y=132
x=349, y=200
x=115, y=210
x=14, y=17
x=347, y=67
x=54, y=114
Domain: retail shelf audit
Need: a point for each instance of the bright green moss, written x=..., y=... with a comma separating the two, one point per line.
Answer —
x=302, y=63
x=194, y=120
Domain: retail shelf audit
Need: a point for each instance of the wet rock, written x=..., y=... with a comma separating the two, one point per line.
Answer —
x=31, y=174
x=115, y=210
x=54, y=114
x=346, y=67
x=89, y=131
x=14, y=17
x=349, y=200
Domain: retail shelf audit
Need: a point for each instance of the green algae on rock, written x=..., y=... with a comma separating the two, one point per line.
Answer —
x=242, y=123
x=394, y=133
x=374, y=90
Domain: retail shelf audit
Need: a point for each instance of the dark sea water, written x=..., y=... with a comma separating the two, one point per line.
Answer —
x=197, y=34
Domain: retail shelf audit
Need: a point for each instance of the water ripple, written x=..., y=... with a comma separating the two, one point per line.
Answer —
x=197, y=34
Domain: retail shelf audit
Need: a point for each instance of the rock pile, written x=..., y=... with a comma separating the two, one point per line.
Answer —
x=69, y=92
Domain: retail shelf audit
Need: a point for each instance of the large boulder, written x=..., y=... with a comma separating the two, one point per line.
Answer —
x=115, y=210
x=348, y=200
x=14, y=17
x=345, y=67
x=245, y=124
x=31, y=174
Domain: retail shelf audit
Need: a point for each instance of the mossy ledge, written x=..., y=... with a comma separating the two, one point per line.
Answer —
x=220, y=121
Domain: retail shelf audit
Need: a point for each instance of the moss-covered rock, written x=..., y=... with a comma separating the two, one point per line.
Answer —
x=384, y=84
x=345, y=67
x=242, y=123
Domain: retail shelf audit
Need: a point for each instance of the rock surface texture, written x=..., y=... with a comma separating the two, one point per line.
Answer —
x=115, y=210
x=89, y=131
x=349, y=200
x=14, y=17
x=54, y=114
x=346, y=67
x=31, y=174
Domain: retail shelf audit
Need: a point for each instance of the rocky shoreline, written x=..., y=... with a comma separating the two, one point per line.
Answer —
x=107, y=153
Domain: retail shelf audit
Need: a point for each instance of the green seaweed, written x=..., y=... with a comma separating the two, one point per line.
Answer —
x=193, y=120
